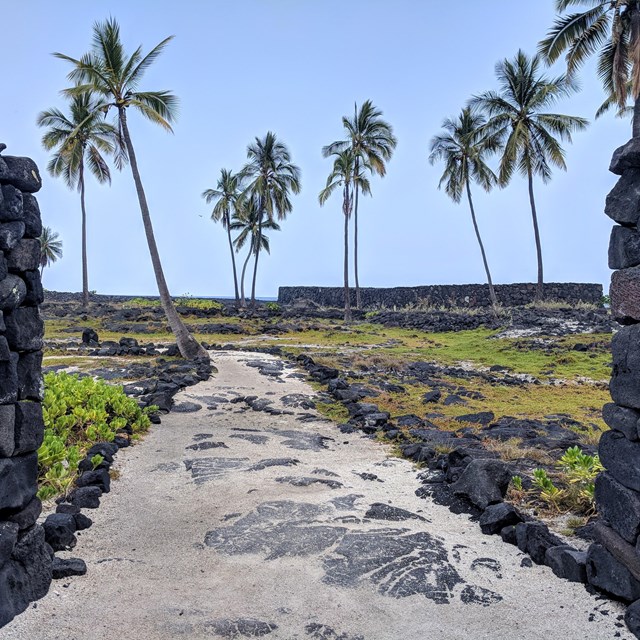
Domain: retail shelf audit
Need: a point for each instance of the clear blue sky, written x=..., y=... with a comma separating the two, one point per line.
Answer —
x=243, y=67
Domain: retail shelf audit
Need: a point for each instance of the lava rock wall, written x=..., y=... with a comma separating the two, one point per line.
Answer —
x=456, y=295
x=25, y=559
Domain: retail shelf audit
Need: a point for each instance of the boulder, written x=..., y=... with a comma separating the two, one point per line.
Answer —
x=90, y=337
x=106, y=449
x=86, y=497
x=18, y=481
x=8, y=375
x=7, y=430
x=625, y=295
x=498, y=516
x=67, y=567
x=432, y=396
x=508, y=534
x=29, y=426
x=626, y=157
x=567, y=562
x=25, y=329
x=607, y=574
x=625, y=378
x=27, y=576
x=24, y=256
x=483, y=482
x=8, y=539
x=28, y=516
x=10, y=234
x=619, y=505
x=31, y=216
x=622, y=419
x=621, y=458
x=11, y=204
x=624, y=248
x=29, y=370
x=82, y=522
x=98, y=478
x=632, y=618
x=21, y=172
x=535, y=538
x=59, y=530
x=13, y=292
x=35, y=292
x=482, y=417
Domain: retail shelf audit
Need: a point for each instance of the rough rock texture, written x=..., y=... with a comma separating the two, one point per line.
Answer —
x=483, y=482
x=472, y=295
x=625, y=295
x=25, y=563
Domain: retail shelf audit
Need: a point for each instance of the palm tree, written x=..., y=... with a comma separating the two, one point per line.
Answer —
x=246, y=219
x=50, y=248
x=80, y=139
x=343, y=175
x=372, y=141
x=530, y=135
x=225, y=196
x=272, y=177
x=114, y=76
x=611, y=28
x=463, y=148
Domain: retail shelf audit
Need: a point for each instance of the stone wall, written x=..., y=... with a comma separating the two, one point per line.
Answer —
x=455, y=295
x=25, y=560
x=613, y=562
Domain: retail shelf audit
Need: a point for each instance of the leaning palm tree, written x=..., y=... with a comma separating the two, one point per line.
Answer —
x=517, y=114
x=271, y=177
x=50, y=248
x=463, y=148
x=246, y=220
x=612, y=29
x=80, y=139
x=225, y=196
x=344, y=175
x=372, y=141
x=115, y=77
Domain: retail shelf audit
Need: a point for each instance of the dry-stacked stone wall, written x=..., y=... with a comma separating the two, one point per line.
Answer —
x=450, y=295
x=25, y=560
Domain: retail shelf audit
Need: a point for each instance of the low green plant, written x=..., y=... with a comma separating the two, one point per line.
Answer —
x=549, y=493
x=96, y=461
x=516, y=483
x=199, y=303
x=274, y=307
x=79, y=412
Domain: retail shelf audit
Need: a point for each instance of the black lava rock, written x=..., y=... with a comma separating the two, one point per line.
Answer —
x=483, y=482
x=568, y=563
x=66, y=567
x=59, y=530
x=611, y=576
x=498, y=516
x=535, y=538
x=86, y=497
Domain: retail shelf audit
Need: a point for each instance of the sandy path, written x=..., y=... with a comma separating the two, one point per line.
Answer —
x=216, y=543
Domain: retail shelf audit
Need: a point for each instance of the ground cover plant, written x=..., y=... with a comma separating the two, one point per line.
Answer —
x=78, y=412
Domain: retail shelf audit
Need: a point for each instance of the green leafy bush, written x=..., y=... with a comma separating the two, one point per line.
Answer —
x=577, y=472
x=272, y=306
x=199, y=303
x=78, y=412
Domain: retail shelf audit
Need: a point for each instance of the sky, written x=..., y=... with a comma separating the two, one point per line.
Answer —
x=244, y=67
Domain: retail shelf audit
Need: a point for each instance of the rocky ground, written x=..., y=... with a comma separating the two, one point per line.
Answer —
x=246, y=514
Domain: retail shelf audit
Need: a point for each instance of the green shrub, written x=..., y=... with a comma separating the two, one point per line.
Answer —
x=199, y=303
x=272, y=306
x=78, y=412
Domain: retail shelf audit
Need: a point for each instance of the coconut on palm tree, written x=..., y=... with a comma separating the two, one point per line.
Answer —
x=372, y=141
x=344, y=175
x=246, y=219
x=531, y=136
x=115, y=77
x=225, y=196
x=611, y=29
x=271, y=178
x=80, y=139
x=463, y=147
x=50, y=248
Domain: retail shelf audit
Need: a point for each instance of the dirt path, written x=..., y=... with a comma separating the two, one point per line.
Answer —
x=232, y=523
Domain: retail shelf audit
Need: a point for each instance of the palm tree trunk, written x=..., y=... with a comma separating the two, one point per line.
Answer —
x=536, y=231
x=189, y=347
x=347, y=293
x=355, y=242
x=243, y=302
x=233, y=259
x=636, y=118
x=255, y=266
x=492, y=293
x=85, y=270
